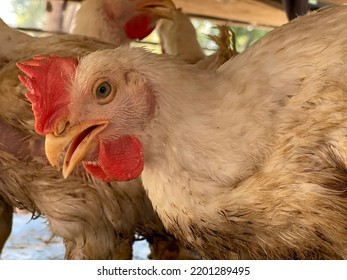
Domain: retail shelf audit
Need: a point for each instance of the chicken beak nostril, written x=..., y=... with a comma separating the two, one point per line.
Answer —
x=61, y=126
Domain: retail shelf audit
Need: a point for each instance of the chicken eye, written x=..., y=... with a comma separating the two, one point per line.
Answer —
x=103, y=90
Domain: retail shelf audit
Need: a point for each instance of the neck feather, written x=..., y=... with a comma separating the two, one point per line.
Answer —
x=213, y=134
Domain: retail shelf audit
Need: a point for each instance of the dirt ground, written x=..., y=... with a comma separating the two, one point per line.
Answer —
x=31, y=240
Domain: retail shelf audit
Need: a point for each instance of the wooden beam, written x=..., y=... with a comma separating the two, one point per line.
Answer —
x=251, y=11
x=334, y=1
x=268, y=13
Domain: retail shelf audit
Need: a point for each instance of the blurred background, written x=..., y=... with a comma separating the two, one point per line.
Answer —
x=34, y=17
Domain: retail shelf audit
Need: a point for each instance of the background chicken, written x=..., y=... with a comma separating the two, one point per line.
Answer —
x=79, y=208
x=246, y=163
x=118, y=21
x=178, y=37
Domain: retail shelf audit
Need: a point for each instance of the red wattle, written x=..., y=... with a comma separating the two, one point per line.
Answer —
x=119, y=160
x=139, y=27
x=97, y=172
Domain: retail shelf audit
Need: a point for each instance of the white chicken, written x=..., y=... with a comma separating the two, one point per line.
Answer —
x=178, y=37
x=119, y=21
x=77, y=208
x=247, y=162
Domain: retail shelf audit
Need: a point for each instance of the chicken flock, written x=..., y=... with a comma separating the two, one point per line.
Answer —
x=75, y=208
x=85, y=212
x=244, y=160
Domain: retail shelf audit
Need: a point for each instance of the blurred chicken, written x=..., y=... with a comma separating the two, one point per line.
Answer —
x=119, y=21
x=96, y=220
x=247, y=162
x=178, y=37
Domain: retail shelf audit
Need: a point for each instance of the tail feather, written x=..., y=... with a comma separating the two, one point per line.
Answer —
x=9, y=39
x=12, y=34
x=226, y=43
x=226, y=49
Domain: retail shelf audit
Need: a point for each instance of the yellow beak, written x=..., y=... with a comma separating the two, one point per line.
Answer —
x=70, y=148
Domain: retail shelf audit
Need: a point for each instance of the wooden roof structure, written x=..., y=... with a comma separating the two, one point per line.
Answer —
x=261, y=13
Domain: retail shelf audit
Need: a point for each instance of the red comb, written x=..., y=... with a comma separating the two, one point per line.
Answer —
x=47, y=81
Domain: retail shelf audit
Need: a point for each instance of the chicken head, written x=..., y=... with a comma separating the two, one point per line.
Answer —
x=91, y=121
x=144, y=22
x=119, y=21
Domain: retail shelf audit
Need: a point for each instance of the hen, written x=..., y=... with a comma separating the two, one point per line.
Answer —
x=78, y=208
x=247, y=162
x=119, y=21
